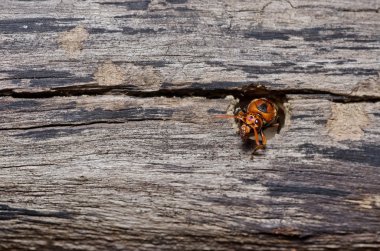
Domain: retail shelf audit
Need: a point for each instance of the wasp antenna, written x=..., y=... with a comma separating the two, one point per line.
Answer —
x=225, y=116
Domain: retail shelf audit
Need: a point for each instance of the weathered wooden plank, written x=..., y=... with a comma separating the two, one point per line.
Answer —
x=115, y=172
x=148, y=172
x=160, y=45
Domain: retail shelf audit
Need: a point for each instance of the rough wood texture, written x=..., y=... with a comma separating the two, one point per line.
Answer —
x=160, y=171
x=152, y=45
x=108, y=141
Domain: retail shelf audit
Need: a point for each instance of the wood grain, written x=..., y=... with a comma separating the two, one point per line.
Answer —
x=112, y=172
x=206, y=45
x=108, y=139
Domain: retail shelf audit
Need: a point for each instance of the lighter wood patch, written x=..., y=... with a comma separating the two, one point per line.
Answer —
x=146, y=76
x=368, y=201
x=368, y=87
x=72, y=41
x=110, y=74
x=347, y=121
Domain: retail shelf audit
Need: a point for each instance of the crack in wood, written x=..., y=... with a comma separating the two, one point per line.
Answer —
x=251, y=90
x=9, y=213
x=73, y=124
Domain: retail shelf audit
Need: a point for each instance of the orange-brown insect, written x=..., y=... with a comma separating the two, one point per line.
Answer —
x=260, y=114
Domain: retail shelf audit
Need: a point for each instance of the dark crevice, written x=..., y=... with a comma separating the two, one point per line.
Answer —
x=57, y=125
x=252, y=91
x=358, y=10
x=72, y=124
x=373, y=10
x=9, y=213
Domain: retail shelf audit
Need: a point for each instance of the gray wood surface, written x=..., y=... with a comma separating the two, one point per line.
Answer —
x=187, y=44
x=109, y=141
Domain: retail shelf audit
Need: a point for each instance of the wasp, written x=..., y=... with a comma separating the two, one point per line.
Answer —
x=260, y=114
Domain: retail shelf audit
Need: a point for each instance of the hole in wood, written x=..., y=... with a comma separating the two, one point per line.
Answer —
x=277, y=99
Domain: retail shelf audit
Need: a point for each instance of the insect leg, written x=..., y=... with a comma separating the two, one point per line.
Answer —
x=258, y=145
x=264, y=139
x=256, y=137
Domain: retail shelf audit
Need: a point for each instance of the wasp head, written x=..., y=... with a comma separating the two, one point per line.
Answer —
x=253, y=120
